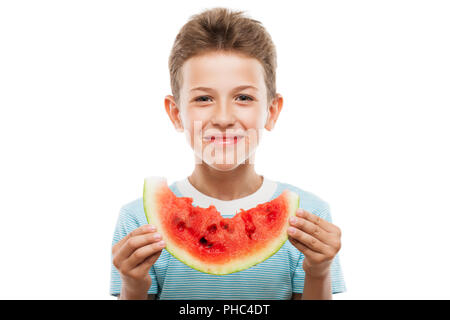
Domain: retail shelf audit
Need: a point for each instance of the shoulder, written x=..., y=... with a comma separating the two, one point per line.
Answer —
x=132, y=206
x=309, y=201
x=132, y=214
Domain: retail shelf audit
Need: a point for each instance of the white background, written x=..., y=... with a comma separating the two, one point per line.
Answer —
x=365, y=126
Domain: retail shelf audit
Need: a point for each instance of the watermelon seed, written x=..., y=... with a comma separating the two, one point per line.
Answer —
x=181, y=226
x=212, y=228
x=205, y=242
x=226, y=226
x=249, y=225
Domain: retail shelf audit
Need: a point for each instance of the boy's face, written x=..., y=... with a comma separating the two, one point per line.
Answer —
x=223, y=108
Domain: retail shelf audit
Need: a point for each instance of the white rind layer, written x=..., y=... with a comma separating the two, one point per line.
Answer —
x=151, y=187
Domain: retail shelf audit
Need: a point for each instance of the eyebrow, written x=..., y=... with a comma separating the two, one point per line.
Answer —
x=235, y=89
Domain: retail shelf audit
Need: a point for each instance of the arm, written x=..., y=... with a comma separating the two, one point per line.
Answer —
x=315, y=289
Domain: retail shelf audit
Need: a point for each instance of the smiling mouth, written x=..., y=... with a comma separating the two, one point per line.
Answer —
x=223, y=139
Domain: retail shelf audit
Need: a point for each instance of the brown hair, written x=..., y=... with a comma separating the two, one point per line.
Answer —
x=221, y=29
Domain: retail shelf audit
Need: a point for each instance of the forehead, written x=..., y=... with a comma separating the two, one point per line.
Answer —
x=222, y=70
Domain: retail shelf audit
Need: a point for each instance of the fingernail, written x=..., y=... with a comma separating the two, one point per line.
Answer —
x=300, y=211
x=151, y=227
x=162, y=243
x=292, y=219
x=290, y=230
x=157, y=236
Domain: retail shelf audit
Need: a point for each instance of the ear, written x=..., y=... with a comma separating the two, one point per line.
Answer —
x=173, y=112
x=274, y=110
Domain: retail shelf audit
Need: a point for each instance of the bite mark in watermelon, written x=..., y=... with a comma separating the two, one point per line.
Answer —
x=204, y=240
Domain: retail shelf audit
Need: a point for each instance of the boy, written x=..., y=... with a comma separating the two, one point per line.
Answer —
x=222, y=69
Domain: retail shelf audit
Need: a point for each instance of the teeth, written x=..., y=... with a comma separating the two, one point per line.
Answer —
x=222, y=138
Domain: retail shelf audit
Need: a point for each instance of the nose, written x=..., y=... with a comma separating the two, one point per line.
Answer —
x=223, y=116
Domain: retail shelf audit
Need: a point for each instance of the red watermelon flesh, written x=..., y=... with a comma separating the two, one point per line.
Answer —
x=208, y=242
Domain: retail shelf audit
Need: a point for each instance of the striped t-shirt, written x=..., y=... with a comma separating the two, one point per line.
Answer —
x=275, y=278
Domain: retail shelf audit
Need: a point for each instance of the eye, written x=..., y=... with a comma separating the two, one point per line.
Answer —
x=200, y=99
x=245, y=96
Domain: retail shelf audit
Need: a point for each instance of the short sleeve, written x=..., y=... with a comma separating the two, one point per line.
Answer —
x=337, y=279
x=125, y=224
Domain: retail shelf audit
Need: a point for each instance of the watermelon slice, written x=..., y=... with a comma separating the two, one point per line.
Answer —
x=210, y=243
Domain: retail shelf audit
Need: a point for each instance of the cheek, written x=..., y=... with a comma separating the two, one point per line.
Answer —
x=195, y=116
x=193, y=122
x=254, y=118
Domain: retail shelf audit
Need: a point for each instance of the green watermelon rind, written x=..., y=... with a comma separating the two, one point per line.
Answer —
x=154, y=182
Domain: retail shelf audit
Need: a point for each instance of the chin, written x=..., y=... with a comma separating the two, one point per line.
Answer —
x=224, y=167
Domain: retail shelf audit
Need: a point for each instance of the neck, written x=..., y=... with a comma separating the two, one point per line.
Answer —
x=234, y=184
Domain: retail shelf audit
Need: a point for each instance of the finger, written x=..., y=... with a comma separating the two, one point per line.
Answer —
x=304, y=249
x=310, y=228
x=141, y=230
x=141, y=254
x=307, y=240
x=324, y=224
x=145, y=266
x=133, y=243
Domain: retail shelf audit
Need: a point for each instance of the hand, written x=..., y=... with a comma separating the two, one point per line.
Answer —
x=133, y=257
x=318, y=239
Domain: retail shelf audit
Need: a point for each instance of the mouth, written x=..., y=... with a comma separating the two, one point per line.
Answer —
x=222, y=139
